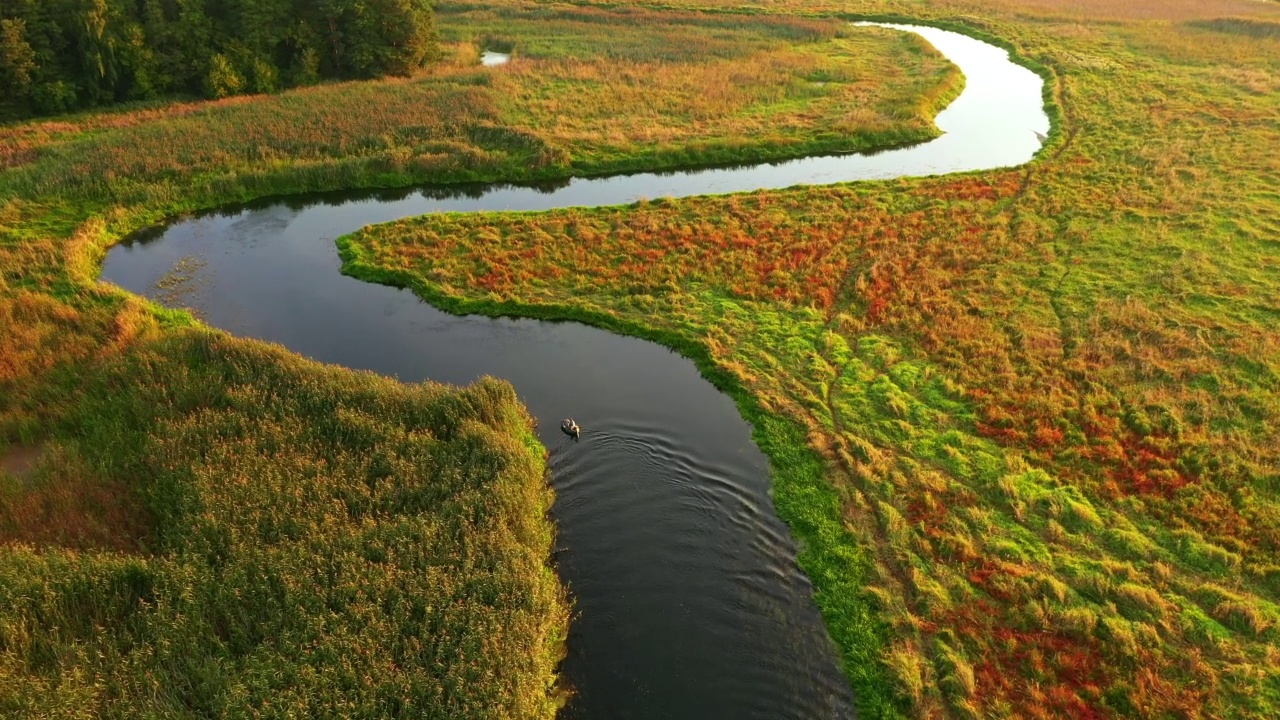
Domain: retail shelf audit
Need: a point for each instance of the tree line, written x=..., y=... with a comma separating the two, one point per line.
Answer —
x=62, y=55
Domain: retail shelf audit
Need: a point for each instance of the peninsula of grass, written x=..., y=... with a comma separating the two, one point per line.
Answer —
x=196, y=525
x=303, y=541
x=1023, y=421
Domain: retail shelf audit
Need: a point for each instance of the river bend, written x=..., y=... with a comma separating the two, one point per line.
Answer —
x=689, y=602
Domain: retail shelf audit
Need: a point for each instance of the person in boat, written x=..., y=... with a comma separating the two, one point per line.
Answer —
x=570, y=427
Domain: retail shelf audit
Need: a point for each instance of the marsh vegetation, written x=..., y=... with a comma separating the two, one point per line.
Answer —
x=1023, y=420
x=1042, y=402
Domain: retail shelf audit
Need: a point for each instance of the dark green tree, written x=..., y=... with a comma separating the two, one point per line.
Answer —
x=59, y=55
x=95, y=44
x=17, y=61
x=371, y=38
x=391, y=37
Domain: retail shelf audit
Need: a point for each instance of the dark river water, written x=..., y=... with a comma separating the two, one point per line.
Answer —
x=688, y=599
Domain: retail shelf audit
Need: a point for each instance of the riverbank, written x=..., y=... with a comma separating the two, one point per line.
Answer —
x=273, y=278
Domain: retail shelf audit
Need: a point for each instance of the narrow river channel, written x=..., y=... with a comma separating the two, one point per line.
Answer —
x=688, y=599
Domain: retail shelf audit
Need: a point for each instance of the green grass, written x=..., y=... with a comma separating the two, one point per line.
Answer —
x=831, y=556
x=550, y=114
x=319, y=542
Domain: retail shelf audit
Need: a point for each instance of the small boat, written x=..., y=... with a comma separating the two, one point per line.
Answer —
x=570, y=427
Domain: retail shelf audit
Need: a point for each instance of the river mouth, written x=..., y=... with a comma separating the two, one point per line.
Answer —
x=688, y=599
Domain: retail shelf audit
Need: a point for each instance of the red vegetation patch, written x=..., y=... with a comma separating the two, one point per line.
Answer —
x=801, y=249
x=1063, y=674
x=77, y=512
x=19, y=461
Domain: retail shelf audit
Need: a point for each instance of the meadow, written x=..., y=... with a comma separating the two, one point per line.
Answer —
x=780, y=87
x=1024, y=420
x=193, y=524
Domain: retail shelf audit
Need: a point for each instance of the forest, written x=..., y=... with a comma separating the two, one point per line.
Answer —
x=58, y=56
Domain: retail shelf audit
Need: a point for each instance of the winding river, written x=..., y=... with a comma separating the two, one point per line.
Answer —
x=689, y=602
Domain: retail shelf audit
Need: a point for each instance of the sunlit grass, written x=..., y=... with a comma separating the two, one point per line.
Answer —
x=297, y=539
x=759, y=87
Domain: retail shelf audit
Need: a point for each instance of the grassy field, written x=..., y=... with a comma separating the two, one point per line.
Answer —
x=780, y=88
x=1025, y=421
x=195, y=525
x=301, y=541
